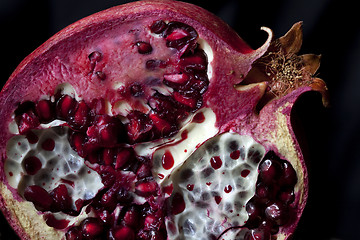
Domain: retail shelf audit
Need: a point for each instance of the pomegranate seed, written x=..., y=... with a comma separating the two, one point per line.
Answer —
x=131, y=217
x=123, y=156
x=255, y=234
x=108, y=176
x=269, y=171
x=146, y=189
x=179, y=78
x=144, y=47
x=39, y=197
x=108, y=200
x=51, y=221
x=288, y=176
x=161, y=125
x=177, y=34
x=77, y=140
x=62, y=201
x=139, y=128
x=149, y=222
x=64, y=106
x=254, y=212
x=98, y=106
x=45, y=110
x=287, y=196
x=197, y=62
x=79, y=117
x=136, y=89
x=27, y=121
x=123, y=233
x=32, y=165
x=73, y=233
x=123, y=196
x=143, y=171
x=158, y=27
x=276, y=212
x=91, y=227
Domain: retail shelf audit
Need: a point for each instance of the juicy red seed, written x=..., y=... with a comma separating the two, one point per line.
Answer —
x=143, y=171
x=269, y=171
x=158, y=27
x=109, y=156
x=146, y=189
x=136, y=89
x=79, y=116
x=124, y=196
x=27, y=121
x=164, y=127
x=39, y=196
x=287, y=196
x=51, y=221
x=149, y=222
x=77, y=140
x=108, y=200
x=144, y=47
x=194, y=62
x=262, y=191
x=216, y=162
x=123, y=233
x=277, y=213
x=48, y=144
x=124, y=155
x=64, y=106
x=139, y=128
x=185, y=100
x=288, y=177
x=177, y=34
x=98, y=106
x=256, y=234
x=91, y=227
x=131, y=217
x=62, y=201
x=24, y=107
x=177, y=204
x=73, y=233
x=32, y=165
x=45, y=111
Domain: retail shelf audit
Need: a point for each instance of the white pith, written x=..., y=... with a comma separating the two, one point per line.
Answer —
x=203, y=216
x=62, y=163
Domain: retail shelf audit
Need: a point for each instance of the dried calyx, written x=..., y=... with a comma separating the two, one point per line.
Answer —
x=139, y=131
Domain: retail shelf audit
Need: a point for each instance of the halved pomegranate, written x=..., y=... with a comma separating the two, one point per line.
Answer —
x=155, y=120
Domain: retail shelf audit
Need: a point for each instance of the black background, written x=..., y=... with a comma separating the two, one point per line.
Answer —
x=331, y=28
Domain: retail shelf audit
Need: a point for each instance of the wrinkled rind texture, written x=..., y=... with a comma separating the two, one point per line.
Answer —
x=53, y=63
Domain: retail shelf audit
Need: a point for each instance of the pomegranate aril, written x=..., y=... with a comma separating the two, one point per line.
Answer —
x=98, y=106
x=74, y=233
x=62, y=201
x=144, y=47
x=146, y=188
x=256, y=234
x=269, y=171
x=27, y=121
x=109, y=156
x=45, y=111
x=179, y=34
x=286, y=196
x=288, y=176
x=39, y=197
x=136, y=90
x=123, y=156
x=77, y=141
x=91, y=227
x=79, y=118
x=32, y=165
x=108, y=175
x=158, y=26
x=123, y=196
x=187, y=101
x=122, y=233
x=195, y=62
x=143, y=171
x=109, y=200
x=106, y=131
x=139, y=128
x=131, y=217
x=64, y=106
x=178, y=78
x=164, y=127
x=277, y=213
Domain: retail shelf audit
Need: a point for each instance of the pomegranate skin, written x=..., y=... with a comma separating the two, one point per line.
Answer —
x=268, y=123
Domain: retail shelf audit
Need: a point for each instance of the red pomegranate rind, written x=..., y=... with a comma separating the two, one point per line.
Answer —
x=84, y=55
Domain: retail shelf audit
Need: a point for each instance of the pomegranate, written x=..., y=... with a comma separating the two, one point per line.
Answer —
x=155, y=120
